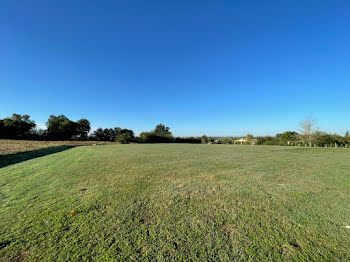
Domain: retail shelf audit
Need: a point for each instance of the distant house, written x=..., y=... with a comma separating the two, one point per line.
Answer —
x=244, y=141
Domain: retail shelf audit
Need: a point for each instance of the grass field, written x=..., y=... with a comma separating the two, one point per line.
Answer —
x=8, y=146
x=177, y=202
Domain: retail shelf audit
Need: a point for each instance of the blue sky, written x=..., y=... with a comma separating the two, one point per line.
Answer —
x=221, y=68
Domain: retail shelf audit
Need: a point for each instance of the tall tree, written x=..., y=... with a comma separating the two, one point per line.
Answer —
x=84, y=127
x=18, y=126
x=287, y=136
x=101, y=134
x=61, y=128
x=162, y=130
x=308, y=129
x=125, y=136
x=117, y=131
x=204, y=139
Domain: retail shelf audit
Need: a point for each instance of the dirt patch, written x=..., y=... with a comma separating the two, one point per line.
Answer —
x=15, y=146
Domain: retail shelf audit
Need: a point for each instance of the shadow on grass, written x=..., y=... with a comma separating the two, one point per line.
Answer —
x=10, y=159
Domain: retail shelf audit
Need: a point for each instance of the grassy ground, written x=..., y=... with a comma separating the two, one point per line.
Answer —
x=8, y=146
x=177, y=202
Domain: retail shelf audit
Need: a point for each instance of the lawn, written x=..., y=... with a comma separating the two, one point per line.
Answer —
x=8, y=146
x=177, y=202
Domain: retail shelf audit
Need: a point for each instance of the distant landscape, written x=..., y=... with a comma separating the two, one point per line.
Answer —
x=61, y=128
x=76, y=195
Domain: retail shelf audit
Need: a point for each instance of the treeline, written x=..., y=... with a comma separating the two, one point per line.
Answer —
x=58, y=128
x=290, y=138
x=62, y=128
x=319, y=139
x=308, y=135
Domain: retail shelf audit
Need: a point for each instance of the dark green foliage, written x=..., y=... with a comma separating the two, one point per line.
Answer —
x=61, y=128
x=106, y=134
x=151, y=137
x=117, y=131
x=125, y=136
x=266, y=140
x=188, y=140
x=324, y=139
x=288, y=136
x=3, y=131
x=38, y=134
x=16, y=127
x=280, y=139
x=162, y=130
x=83, y=126
x=161, y=134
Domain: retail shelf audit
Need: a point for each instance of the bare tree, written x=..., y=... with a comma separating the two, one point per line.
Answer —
x=249, y=139
x=308, y=129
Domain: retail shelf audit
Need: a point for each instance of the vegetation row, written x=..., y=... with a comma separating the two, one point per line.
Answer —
x=62, y=128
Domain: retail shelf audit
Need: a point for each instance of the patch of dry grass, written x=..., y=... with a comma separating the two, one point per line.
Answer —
x=8, y=146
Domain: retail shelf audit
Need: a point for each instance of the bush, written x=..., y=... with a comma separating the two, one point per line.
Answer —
x=188, y=140
x=152, y=137
x=125, y=138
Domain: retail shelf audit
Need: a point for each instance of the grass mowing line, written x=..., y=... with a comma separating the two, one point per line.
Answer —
x=11, y=159
x=8, y=146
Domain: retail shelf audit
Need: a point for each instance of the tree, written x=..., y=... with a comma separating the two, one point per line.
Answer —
x=347, y=134
x=2, y=129
x=308, y=128
x=38, y=134
x=97, y=135
x=152, y=137
x=61, y=128
x=288, y=136
x=83, y=126
x=125, y=136
x=204, y=139
x=188, y=140
x=323, y=139
x=160, y=134
x=101, y=134
x=249, y=139
x=16, y=127
x=117, y=131
x=162, y=130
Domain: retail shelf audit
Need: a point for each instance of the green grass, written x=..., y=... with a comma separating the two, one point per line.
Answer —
x=177, y=202
x=10, y=159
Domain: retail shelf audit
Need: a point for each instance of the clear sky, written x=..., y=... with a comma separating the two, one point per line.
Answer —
x=220, y=68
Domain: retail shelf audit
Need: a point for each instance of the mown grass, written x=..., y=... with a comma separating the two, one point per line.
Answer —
x=9, y=146
x=177, y=202
x=10, y=159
